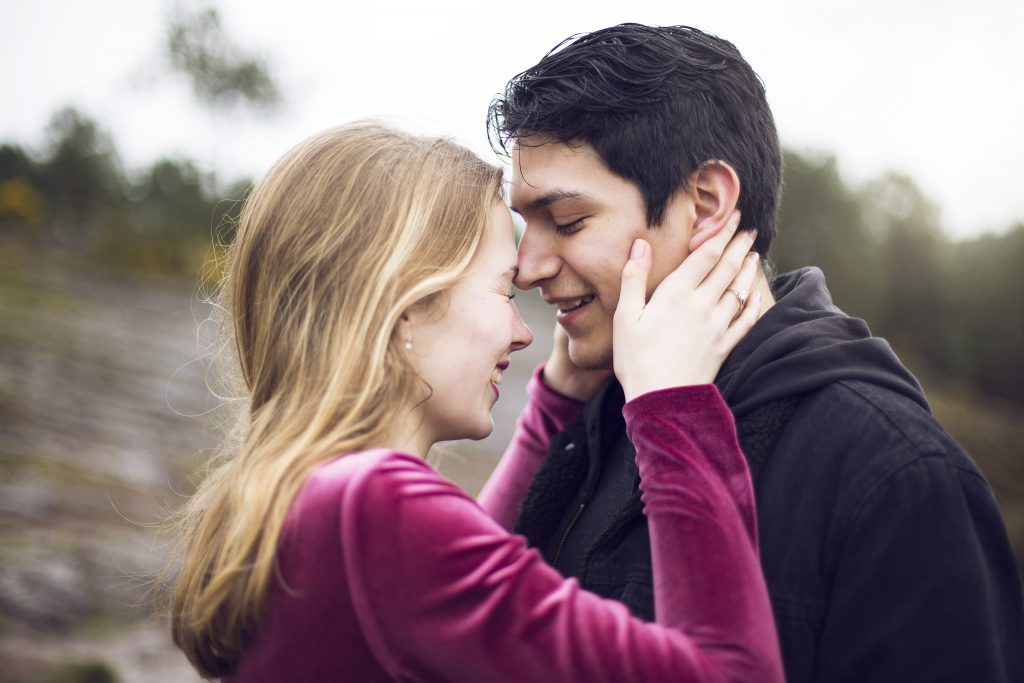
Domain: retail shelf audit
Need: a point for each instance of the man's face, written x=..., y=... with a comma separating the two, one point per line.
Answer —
x=581, y=220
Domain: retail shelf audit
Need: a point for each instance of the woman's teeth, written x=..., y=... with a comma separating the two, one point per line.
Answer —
x=566, y=306
x=496, y=376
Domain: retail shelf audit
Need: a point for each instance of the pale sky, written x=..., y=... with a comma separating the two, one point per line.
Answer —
x=932, y=88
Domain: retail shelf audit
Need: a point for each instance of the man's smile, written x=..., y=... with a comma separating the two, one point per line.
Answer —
x=568, y=305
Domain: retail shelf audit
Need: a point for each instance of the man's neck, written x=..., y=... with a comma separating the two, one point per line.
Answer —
x=767, y=298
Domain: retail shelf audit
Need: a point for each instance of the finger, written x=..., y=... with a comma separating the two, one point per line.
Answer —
x=736, y=295
x=699, y=263
x=633, y=290
x=742, y=324
x=729, y=266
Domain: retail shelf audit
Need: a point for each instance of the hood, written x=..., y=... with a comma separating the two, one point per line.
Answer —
x=805, y=342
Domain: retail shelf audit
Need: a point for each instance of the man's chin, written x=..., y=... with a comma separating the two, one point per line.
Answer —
x=590, y=356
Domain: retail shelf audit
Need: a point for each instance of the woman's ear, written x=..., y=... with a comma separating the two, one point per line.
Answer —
x=404, y=331
x=716, y=190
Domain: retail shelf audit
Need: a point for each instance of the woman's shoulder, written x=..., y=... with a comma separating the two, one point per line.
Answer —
x=352, y=471
x=377, y=475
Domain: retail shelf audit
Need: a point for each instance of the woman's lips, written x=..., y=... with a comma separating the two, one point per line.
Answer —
x=496, y=374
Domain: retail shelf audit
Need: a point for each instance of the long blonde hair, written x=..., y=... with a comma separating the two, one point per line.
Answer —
x=343, y=235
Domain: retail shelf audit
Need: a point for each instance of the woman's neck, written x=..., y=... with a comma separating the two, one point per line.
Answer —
x=410, y=436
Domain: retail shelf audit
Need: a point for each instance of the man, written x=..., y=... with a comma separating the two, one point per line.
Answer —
x=881, y=543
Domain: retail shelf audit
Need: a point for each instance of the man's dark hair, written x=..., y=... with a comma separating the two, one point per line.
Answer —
x=655, y=103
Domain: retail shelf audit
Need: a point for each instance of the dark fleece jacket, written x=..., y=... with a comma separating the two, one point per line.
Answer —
x=881, y=543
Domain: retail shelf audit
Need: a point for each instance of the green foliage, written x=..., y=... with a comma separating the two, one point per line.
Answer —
x=15, y=163
x=822, y=223
x=22, y=204
x=222, y=76
x=986, y=326
x=953, y=305
x=81, y=173
x=76, y=197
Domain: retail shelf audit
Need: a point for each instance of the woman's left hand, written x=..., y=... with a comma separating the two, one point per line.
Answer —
x=693, y=320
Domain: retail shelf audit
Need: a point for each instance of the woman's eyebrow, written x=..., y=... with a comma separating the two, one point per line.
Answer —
x=511, y=273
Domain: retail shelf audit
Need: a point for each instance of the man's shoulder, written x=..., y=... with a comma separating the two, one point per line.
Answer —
x=874, y=415
x=853, y=436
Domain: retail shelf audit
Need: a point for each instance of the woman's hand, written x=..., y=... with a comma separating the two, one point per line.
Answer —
x=565, y=377
x=694, y=319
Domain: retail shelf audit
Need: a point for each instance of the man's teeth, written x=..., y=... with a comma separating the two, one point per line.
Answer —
x=496, y=376
x=566, y=306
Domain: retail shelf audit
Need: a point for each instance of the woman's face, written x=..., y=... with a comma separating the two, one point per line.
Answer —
x=462, y=341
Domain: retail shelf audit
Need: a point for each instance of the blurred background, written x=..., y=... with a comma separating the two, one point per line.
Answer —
x=130, y=130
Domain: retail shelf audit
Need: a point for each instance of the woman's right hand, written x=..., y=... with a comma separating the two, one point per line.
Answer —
x=694, y=318
x=568, y=379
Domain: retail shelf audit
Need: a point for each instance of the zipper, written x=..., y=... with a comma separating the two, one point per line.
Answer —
x=568, y=529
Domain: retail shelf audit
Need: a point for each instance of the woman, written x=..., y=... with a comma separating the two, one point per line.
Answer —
x=370, y=287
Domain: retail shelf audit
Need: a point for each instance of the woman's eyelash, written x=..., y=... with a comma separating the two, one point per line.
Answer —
x=510, y=296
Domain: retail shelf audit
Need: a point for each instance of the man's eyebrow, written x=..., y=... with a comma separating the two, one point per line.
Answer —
x=548, y=197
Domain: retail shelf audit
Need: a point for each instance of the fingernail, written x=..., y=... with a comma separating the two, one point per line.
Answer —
x=638, y=250
x=753, y=256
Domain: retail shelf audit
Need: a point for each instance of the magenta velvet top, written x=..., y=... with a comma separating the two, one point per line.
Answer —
x=395, y=573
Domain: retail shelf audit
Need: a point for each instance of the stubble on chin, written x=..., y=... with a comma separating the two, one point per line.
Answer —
x=591, y=356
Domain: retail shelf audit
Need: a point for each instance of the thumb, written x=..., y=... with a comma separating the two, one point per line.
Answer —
x=633, y=291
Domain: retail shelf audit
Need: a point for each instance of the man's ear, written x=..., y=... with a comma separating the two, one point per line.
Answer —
x=715, y=188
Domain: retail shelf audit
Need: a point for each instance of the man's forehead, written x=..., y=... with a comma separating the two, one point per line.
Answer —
x=555, y=171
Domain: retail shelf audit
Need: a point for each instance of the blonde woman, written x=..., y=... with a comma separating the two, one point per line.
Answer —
x=370, y=287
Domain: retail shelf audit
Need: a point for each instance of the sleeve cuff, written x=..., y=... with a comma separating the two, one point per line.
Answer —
x=539, y=391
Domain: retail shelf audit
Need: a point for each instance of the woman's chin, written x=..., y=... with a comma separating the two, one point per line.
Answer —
x=479, y=431
x=484, y=430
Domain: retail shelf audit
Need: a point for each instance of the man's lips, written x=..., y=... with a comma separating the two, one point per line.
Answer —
x=568, y=305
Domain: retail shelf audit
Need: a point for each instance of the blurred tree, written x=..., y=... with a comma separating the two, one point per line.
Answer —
x=915, y=312
x=15, y=163
x=81, y=173
x=171, y=199
x=21, y=203
x=221, y=74
x=987, y=330
x=821, y=223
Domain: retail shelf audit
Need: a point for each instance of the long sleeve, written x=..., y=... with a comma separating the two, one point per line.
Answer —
x=697, y=493
x=546, y=413
x=443, y=593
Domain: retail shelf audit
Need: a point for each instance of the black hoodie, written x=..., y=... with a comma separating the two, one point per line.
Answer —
x=803, y=343
x=882, y=547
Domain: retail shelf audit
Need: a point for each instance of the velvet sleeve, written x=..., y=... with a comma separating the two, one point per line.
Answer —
x=443, y=593
x=697, y=493
x=546, y=413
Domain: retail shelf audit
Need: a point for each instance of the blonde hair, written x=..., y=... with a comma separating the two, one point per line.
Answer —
x=345, y=233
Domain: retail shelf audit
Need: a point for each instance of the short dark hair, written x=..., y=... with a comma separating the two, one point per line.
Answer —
x=655, y=103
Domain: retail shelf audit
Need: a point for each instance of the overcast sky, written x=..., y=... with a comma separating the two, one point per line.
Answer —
x=932, y=88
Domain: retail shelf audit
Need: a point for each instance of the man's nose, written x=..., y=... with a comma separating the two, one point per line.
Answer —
x=537, y=258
